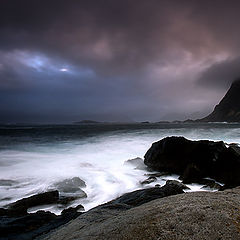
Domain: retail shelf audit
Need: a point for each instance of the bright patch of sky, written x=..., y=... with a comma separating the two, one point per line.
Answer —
x=63, y=70
x=40, y=63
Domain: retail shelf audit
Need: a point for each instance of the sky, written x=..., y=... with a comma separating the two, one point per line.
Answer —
x=63, y=61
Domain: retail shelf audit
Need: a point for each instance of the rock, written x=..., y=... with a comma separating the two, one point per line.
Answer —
x=136, y=162
x=228, y=110
x=70, y=185
x=121, y=204
x=65, y=200
x=3, y=212
x=72, y=210
x=29, y=226
x=7, y=182
x=157, y=174
x=16, y=223
x=25, y=226
x=226, y=186
x=77, y=194
x=35, y=200
x=125, y=202
x=179, y=184
x=149, y=180
x=195, y=215
x=195, y=160
x=139, y=197
x=209, y=183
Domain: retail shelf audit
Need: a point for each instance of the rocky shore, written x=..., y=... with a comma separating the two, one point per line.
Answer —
x=196, y=215
x=160, y=212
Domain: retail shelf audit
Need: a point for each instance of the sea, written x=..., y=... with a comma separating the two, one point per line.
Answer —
x=39, y=158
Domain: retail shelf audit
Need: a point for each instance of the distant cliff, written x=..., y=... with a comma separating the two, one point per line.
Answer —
x=86, y=122
x=228, y=110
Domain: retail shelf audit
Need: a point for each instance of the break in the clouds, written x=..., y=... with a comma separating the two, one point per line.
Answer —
x=67, y=60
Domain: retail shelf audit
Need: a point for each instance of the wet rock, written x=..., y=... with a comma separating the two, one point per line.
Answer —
x=16, y=223
x=7, y=182
x=72, y=210
x=5, y=199
x=65, y=200
x=195, y=160
x=149, y=180
x=179, y=184
x=31, y=225
x=157, y=174
x=70, y=185
x=136, y=162
x=45, y=198
x=208, y=183
x=121, y=204
x=139, y=197
x=226, y=186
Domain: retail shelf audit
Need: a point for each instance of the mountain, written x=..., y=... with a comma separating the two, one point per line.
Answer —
x=228, y=110
x=86, y=122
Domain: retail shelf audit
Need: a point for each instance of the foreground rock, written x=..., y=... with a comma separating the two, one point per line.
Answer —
x=195, y=160
x=124, y=203
x=16, y=223
x=139, y=197
x=198, y=216
x=21, y=206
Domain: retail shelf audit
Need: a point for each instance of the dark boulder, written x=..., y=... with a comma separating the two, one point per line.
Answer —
x=35, y=200
x=16, y=223
x=212, y=185
x=30, y=225
x=139, y=197
x=177, y=183
x=71, y=185
x=195, y=160
x=72, y=210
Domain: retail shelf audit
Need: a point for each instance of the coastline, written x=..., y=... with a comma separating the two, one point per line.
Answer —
x=196, y=215
x=193, y=161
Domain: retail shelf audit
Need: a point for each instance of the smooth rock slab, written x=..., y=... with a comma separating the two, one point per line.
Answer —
x=188, y=216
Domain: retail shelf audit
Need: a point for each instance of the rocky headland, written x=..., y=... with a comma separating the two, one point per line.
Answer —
x=228, y=110
x=160, y=212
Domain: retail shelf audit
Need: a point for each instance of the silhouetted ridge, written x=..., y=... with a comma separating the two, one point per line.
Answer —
x=228, y=110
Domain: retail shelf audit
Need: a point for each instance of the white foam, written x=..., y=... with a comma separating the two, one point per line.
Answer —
x=96, y=160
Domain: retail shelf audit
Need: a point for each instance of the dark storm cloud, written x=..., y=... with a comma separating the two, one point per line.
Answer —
x=123, y=34
x=221, y=75
x=114, y=60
